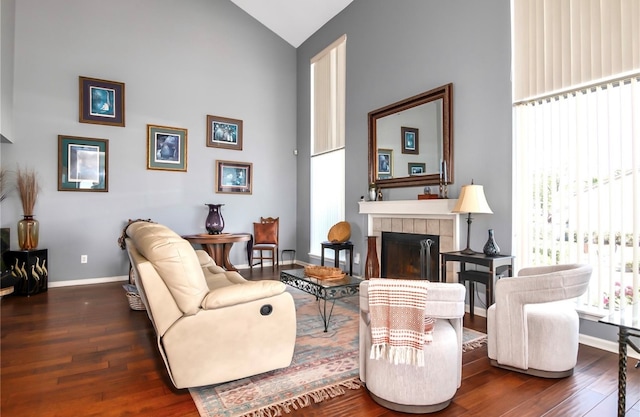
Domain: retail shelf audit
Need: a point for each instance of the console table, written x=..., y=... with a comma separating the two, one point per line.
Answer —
x=219, y=246
x=498, y=265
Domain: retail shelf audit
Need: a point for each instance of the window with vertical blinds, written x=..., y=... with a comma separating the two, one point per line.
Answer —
x=327, y=202
x=576, y=142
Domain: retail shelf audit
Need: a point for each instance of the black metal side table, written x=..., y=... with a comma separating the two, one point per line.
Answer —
x=628, y=325
x=498, y=266
x=337, y=247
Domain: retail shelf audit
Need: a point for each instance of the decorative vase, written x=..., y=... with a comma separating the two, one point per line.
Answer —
x=215, y=222
x=491, y=248
x=371, y=266
x=373, y=194
x=28, y=233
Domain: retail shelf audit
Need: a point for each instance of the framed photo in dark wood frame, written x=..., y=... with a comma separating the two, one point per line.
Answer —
x=223, y=132
x=409, y=140
x=101, y=102
x=166, y=148
x=234, y=177
x=83, y=164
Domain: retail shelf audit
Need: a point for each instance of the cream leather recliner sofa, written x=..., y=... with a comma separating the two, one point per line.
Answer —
x=212, y=325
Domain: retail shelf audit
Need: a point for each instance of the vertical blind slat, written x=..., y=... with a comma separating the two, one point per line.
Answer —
x=560, y=43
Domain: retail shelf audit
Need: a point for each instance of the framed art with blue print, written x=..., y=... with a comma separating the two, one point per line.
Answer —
x=385, y=163
x=223, y=132
x=101, y=102
x=166, y=148
x=409, y=140
x=416, y=168
x=234, y=177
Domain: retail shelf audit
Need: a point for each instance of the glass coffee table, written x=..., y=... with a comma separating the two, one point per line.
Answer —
x=323, y=290
x=628, y=323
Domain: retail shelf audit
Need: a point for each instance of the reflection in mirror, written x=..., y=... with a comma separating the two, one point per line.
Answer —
x=410, y=141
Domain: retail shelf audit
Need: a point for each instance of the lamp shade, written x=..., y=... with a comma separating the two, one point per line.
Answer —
x=472, y=200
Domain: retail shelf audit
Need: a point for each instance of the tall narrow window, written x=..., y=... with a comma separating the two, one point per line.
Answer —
x=577, y=142
x=327, y=141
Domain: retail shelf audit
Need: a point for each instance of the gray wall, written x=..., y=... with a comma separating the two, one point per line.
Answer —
x=179, y=61
x=397, y=49
x=7, y=13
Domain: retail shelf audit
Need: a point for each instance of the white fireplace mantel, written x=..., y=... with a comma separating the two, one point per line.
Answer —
x=436, y=209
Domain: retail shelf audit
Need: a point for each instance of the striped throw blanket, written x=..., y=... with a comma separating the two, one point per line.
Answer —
x=399, y=329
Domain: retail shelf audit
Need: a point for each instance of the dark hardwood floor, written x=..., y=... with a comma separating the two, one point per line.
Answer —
x=80, y=351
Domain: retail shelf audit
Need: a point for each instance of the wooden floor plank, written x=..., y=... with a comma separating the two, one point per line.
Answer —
x=82, y=351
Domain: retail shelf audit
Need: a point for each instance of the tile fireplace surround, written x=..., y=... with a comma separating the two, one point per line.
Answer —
x=433, y=217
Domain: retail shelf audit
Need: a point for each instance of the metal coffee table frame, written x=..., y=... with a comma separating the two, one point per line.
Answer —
x=628, y=325
x=323, y=290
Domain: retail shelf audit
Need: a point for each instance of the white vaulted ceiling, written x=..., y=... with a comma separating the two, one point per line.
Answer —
x=293, y=20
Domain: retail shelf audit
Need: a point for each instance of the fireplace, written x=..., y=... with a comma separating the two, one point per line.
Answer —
x=423, y=217
x=410, y=256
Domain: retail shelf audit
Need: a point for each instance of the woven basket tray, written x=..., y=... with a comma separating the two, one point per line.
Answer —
x=135, y=302
x=324, y=272
x=133, y=297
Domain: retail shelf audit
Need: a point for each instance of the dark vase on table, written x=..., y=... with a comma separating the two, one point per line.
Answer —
x=491, y=248
x=215, y=222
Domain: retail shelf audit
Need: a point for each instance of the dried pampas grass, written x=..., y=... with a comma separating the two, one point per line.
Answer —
x=27, y=185
x=4, y=179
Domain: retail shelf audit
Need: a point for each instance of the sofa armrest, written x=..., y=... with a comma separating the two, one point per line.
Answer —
x=242, y=293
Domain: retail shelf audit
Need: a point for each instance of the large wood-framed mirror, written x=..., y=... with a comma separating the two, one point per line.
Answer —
x=409, y=140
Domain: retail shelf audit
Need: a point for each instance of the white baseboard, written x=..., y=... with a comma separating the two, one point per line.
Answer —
x=607, y=345
x=88, y=281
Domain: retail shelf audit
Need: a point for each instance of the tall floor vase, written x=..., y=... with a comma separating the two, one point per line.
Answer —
x=371, y=266
x=28, y=233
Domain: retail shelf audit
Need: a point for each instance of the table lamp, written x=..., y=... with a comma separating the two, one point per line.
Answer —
x=471, y=200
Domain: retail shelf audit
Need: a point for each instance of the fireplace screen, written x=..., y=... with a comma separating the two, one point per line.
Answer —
x=410, y=256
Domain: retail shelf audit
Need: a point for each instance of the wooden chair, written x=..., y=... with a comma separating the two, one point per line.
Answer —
x=265, y=239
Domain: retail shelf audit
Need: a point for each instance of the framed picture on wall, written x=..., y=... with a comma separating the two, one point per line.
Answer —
x=223, y=132
x=83, y=164
x=166, y=148
x=409, y=137
x=234, y=177
x=101, y=102
x=416, y=168
x=385, y=163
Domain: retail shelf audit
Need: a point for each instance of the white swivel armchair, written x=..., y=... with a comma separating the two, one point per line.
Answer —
x=533, y=326
x=409, y=388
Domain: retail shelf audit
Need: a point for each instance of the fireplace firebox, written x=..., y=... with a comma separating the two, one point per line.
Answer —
x=410, y=256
